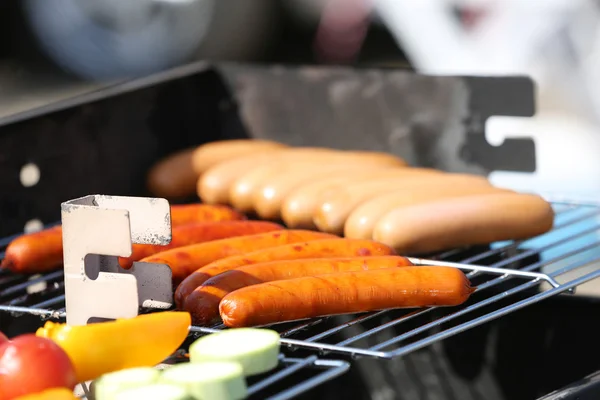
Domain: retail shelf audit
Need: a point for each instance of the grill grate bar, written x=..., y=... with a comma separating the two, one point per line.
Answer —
x=296, y=366
x=494, y=315
x=19, y=287
x=464, y=311
x=50, y=302
x=335, y=368
x=473, y=307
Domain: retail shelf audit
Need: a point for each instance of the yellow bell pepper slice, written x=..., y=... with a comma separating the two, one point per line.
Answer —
x=50, y=394
x=99, y=348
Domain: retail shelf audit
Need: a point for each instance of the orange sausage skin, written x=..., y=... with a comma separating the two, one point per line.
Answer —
x=326, y=248
x=203, y=303
x=35, y=252
x=192, y=213
x=344, y=293
x=187, y=259
x=198, y=233
x=42, y=251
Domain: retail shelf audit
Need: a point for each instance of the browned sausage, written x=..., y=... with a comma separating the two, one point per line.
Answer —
x=325, y=248
x=344, y=293
x=203, y=303
x=185, y=260
x=198, y=233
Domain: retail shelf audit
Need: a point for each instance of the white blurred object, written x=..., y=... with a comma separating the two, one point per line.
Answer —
x=556, y=42
x=107, y=39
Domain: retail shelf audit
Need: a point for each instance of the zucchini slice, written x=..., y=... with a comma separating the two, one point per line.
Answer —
x=155, y=391
x=108, y=385
x=257, y=350
x=209, y=380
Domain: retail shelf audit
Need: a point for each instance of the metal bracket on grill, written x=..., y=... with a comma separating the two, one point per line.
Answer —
x=96, y=230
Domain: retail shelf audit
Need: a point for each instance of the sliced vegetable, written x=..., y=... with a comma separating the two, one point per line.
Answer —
x=209, y=380
x=256, y=350
x=156, y=391
x=100, y=348
x=110, y=384
x=31, y=364
x=51, y=394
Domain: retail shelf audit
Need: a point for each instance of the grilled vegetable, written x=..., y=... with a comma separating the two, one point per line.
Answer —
x=50, y=394
x=42, y=251
x=156, y=391
x=198, y=233
x=108, y=385
x=208, y=380
x=185, y=260
x=344, y=293
x=324, y=248
x=30, y=364
x=100, y=348
x=256, y=350
x=203, y=303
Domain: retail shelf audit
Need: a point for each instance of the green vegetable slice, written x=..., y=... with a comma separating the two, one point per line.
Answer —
x=156, y=391
x=209, y=380
x=108, y=385
x=257, y=350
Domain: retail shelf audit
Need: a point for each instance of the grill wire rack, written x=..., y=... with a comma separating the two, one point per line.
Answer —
x=507, y=276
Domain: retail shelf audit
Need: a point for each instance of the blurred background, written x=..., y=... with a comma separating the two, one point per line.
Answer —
x=53, y=49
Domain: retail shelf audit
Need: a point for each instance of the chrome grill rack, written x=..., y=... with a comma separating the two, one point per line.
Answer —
x=507, y=276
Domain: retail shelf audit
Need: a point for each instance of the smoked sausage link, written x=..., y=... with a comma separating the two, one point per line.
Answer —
x=203, y=303
x=344, y=293
x=464, y=221
x=198, y=233
x=187, y=259
x=325, y=248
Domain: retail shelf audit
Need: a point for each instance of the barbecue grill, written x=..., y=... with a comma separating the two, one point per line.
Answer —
x=415, y=353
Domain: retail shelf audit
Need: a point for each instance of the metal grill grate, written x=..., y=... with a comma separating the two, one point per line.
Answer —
x=508, y=276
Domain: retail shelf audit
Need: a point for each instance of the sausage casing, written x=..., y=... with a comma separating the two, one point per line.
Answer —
x=187, y=259
x=203, y=303
x=344, y=293
x=210, y=154
x=361, y=221
x=464, y=221
x=198, y=233
x=324, y=248
x=299, y=206
x=334, y=209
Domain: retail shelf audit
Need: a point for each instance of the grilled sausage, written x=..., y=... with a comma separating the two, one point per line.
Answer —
x=344, y=293
x=199, y=233
x=185, y=260
x=210, y=154
x=43, y=251
x=324, y=248
x=299, y=206
x=173, y=176
x=362, y=219
x=35, y=252
x=300, y=161
x=464, y=221
x=213, y=186
x=203, y=303
x=193, y=213
x=335, y=208
x=268, y=200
